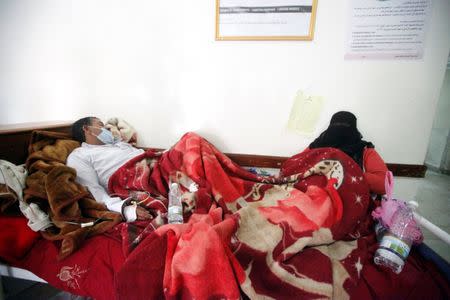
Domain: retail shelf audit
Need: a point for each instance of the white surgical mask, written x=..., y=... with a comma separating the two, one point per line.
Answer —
x=106, y=137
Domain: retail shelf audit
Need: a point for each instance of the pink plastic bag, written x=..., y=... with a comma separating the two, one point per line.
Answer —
x=389, y=206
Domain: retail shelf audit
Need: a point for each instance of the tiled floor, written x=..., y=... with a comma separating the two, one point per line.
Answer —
x=432, y=193
x=433, y=196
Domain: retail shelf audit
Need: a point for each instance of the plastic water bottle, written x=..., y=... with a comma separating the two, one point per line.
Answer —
x=175, y=211
x=396, y=242
x=380, y=230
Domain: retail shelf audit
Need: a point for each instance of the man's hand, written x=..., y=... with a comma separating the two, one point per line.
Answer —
x=142, y=214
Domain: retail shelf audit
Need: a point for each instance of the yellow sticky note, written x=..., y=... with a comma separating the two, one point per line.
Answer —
x=305, y=113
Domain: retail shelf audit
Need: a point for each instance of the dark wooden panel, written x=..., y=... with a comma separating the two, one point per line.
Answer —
x=265, y=161
x=261, y=161
x=14, y=144
x=405, y=170
x=402, y=170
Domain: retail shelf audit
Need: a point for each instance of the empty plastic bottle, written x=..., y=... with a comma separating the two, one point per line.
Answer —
x=396, y=242
x=175, y=210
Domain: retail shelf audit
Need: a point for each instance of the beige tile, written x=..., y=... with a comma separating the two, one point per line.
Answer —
x=433, y=196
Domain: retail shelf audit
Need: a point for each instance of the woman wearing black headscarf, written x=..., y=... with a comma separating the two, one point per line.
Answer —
x=343, y=134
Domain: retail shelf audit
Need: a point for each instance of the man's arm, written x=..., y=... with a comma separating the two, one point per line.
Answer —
x=87, y=176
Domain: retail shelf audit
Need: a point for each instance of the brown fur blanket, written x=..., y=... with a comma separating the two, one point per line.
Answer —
x=51, y=185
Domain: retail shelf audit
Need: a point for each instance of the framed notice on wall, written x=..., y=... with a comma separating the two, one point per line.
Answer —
x=390, y=29
x=265, y=19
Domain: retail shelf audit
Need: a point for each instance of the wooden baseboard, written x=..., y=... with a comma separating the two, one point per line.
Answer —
x=14, y=145
x=275, y=162
x=264, y=161
x=406, y=170
x=14, y=140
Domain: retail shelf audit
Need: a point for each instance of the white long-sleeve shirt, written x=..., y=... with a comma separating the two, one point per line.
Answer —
x=95, y=164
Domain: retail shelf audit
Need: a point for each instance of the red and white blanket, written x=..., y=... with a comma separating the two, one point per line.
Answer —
x=305, y=234
x=298, y=235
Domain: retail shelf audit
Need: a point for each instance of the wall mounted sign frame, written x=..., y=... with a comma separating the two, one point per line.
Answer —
x=265, y=20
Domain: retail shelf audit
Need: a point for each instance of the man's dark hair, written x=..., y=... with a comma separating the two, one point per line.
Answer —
x=77, y=128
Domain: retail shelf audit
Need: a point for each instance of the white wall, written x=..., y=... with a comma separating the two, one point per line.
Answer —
x=156, y=64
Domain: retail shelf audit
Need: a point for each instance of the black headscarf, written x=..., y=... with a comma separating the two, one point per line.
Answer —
x=343, y=134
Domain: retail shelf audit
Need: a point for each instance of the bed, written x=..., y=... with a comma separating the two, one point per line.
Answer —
x=251, y=252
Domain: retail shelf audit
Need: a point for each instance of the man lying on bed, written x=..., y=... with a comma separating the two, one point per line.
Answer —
x=99, y=156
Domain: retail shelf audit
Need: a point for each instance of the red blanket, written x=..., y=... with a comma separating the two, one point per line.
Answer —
x=305, y=234
x=16, y=238
x=90, y=271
